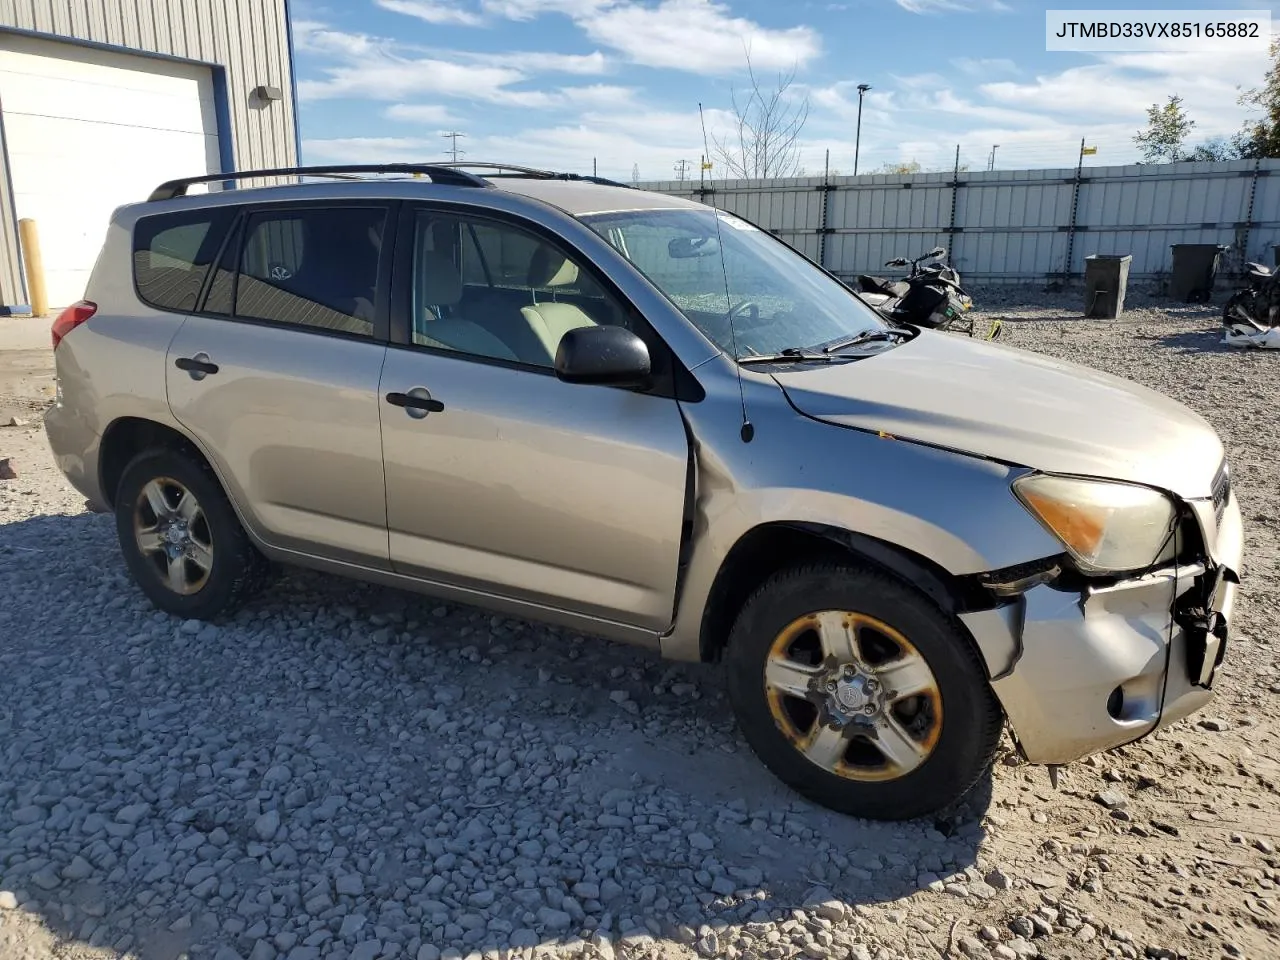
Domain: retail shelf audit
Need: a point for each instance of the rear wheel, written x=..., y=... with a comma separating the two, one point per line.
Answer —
x=181, y=539
x=859, y=693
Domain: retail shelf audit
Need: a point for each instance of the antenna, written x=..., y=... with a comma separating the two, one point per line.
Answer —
x=748, y=431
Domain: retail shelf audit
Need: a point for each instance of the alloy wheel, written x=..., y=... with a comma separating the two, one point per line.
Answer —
x=853, y=695
x=173, y=535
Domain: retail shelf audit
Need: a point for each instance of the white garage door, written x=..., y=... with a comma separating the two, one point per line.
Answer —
x=87, y=130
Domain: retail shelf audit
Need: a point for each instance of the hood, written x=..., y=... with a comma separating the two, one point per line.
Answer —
x=1015, y=406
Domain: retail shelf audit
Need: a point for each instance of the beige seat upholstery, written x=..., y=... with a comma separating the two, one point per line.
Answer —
x=440, y=286
x=550, y=321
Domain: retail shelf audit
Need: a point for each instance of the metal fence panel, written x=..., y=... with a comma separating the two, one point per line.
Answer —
x=1015, y=225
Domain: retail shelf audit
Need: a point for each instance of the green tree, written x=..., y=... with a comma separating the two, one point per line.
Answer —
x=1215, y=150
x=1261, y=137
x=1165, y=136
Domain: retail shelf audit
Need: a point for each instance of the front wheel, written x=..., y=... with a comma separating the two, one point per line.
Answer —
x=858, y=692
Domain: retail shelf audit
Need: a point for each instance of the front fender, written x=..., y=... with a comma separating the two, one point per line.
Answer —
x=954, y=510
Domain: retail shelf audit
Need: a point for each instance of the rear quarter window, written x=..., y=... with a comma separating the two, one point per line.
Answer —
x=172, y=254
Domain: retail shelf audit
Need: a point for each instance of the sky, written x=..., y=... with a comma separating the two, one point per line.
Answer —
x=614, y=85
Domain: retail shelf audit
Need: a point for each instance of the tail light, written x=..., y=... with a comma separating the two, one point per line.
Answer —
x=71, y=318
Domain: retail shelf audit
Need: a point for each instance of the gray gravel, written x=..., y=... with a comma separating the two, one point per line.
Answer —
x=348, y=771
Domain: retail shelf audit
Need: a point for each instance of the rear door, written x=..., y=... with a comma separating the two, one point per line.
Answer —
x=276, y=374
x=502, y=478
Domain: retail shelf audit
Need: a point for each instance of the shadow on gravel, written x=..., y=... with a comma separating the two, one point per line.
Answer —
x=346, y=770
x=1196, y=341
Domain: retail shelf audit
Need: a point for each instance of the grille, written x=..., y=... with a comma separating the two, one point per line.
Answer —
x=1221, y=489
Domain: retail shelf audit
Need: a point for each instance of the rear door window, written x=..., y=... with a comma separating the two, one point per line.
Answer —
x=172, y=253
x=309, y=267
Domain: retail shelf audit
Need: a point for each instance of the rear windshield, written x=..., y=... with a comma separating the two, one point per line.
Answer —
x=172, y=253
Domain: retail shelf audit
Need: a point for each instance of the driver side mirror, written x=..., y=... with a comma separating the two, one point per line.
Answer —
x=937, y=252
x=604, y=355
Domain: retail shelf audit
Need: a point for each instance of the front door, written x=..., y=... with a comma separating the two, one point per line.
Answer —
x=277, y=376
x=500, y=477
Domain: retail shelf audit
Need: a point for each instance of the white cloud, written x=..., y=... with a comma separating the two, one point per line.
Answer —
x=947, y=101
x=1123, y=86
x=653, y=140
x=597, y=96
x=1038, y=121
x=531, y=9
x=949, y=6
x=372, y=68
x=426, y=113
x=433, y=11
x=315, y=37
x=536, y=61
x=389, y=78
x=698, y=36
x=985, y=67
x=371, y=150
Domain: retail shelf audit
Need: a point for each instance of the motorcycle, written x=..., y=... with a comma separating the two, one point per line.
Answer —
x=1251, y=318
x=929, y=296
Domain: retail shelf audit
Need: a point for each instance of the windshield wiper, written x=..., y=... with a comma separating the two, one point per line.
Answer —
x=866, y=336
x=787, y=355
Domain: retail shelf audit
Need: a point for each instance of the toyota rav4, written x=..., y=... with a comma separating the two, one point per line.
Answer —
x=648, y=420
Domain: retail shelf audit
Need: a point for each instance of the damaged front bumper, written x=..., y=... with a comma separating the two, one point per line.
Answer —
x=1081, y=671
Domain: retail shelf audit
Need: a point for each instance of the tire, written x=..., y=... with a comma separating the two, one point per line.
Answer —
x=221, y=569
x=955, y=724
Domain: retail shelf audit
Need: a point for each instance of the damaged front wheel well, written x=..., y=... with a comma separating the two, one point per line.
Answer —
x=771, y=547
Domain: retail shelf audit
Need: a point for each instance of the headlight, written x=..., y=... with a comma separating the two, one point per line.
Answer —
x=1107, y=527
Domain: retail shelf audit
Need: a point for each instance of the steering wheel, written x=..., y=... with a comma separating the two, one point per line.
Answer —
x=745, y=305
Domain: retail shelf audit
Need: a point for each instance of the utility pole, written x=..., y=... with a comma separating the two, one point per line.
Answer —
x=595, y=171
x=453, y=136
x=635, y=173
x=991, y=161
x=857, y=141
x=682, y=169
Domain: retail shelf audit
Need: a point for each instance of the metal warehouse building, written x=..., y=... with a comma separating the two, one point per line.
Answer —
x=101, y=100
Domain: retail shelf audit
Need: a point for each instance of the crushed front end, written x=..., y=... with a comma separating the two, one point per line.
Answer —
x=1085, y=663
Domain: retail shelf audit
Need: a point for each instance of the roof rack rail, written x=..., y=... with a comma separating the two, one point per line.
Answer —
x=532, y=172
x=439, y=173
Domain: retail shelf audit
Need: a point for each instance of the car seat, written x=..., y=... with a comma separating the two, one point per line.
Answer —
x=435, y=323
x=552, y=320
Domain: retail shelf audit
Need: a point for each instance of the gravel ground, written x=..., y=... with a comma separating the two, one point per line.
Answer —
x=349, y=771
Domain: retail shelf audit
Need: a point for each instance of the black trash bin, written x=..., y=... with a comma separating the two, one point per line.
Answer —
x=1106, y=277
x=1195, y=267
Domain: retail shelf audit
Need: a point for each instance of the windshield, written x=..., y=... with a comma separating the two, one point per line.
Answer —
x=778, y=299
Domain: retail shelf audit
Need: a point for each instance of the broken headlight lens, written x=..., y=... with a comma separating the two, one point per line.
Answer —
x=1107, y=527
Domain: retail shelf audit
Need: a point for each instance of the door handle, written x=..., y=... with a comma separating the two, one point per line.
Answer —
x=199, y=366
x=417, y=403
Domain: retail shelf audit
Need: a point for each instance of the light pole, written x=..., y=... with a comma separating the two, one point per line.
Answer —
x=991, y=164
x=857, y=142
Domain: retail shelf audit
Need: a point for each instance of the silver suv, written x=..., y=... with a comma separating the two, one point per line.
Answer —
x=646, y=419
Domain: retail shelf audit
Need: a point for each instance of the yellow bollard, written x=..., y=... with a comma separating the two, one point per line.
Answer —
x=33, y=265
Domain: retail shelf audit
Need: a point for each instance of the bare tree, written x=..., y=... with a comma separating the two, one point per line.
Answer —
x=765, y=141
x=899, y=168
